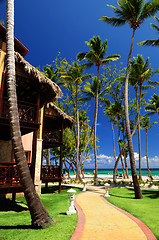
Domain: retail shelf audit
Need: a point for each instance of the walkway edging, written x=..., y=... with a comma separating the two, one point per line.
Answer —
x=148, y=233
x=80, y=223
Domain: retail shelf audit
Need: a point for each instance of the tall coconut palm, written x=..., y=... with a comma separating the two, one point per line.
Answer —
x=90, y=92
x=108, y=110
x=145, y=124
x=153, y=43
x=140, y=72
x=75, y=75
x=133, y=12
x=96, y=56
x=39, y=215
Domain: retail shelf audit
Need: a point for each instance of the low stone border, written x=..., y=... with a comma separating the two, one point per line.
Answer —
x=143, y=227
x=81, y=222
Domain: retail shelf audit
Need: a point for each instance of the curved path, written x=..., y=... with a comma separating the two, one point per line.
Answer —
x=99, y=220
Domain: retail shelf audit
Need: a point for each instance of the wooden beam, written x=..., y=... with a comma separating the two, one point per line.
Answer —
x=2, y=58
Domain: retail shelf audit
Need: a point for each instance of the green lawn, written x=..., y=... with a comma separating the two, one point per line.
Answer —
x=146, y=209
x=15, y=218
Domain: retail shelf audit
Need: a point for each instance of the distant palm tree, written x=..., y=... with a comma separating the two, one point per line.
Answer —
x=90, y=92
x=75, y=75
x=96, y=56
x=140, y=72
x=39, y=215
x=153, y=43
x=145, y=124
x=108, y=110
x=153, y=106
x=133, y=12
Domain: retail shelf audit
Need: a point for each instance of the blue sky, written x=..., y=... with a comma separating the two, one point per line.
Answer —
x=48, y=27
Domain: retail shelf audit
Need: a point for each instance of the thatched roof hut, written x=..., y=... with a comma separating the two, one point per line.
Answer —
x=49, y=91
x=51, y=110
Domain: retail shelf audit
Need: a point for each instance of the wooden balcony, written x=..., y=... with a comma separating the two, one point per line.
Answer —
x=26, y=111
x=50, y=173
x=27, y=117
x=9, y=179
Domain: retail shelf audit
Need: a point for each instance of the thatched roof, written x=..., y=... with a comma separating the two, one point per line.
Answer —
x=67, y=120
x=49, y=90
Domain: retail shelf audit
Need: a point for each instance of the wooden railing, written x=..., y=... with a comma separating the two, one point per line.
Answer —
x=26, y=110
x=9, y=174
x=50, y=172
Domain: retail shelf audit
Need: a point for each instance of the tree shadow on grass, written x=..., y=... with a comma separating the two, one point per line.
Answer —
x=53, y=189
x=7, y=205
x=17, y=227
x=119, y=196
x=150, y=193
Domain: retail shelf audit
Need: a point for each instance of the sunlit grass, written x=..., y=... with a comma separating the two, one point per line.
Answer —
x=15, y=218
x=146, y=209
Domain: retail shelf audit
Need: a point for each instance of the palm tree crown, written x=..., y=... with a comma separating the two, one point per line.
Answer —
x=153, y=106
x=132, y=11
x=96, y=53
x=153, y=43
x=140, y=72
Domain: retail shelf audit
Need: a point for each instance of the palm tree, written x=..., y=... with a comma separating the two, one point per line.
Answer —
x=96, y=56
x=153, y=106
x=133, y=12
x=145, y=124
x=108, y=110
x=153, y=43
x=39, y=215
x=75, y=75
x=140, y=72
x=90, y=92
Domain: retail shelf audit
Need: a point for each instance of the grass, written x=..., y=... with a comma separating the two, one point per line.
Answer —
x=146, y=209
x=15, y=218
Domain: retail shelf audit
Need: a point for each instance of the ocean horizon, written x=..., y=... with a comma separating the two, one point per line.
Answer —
x=144, y=171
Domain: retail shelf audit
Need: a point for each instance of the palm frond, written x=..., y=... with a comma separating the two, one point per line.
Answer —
x=153, y=43
x=110, y=58
x=149, y=9
x=147, y=87
x=113, y=21
x=155, y=27
x=81, y=56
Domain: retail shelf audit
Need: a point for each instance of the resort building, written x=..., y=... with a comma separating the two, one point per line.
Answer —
x=41, y=122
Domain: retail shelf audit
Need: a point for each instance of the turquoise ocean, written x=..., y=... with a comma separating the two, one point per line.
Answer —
x=144, y=172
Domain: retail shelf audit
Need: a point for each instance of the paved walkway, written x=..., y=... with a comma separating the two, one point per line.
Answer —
x=99, y=220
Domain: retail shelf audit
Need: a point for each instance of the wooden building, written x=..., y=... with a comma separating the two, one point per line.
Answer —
x=34, y=91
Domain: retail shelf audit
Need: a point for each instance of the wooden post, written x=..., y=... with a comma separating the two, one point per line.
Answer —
x=39, y=149
x=61, y=155
x=2, y=58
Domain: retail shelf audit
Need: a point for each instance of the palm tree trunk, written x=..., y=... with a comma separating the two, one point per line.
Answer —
x=139, y=138
x=125, y=161
x=95, y=127
x=78, y=177
x=39, y=215
x=149, y=172
x=120, y=149
x=137, y=190
x=116, y=171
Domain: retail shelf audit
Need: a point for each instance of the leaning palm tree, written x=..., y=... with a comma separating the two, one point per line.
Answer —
x=140, y=72
x=133, y=12
x=153, y=43
x=145, y=124
x=96, y=56
x=39, y=215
